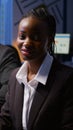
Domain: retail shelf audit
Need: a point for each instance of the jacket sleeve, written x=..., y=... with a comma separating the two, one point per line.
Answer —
x=9, y=60
x=6, y=122
x=5, y=119
x=67, y=117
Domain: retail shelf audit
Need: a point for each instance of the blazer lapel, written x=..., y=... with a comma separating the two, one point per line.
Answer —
x=38, y=100
x=41, y=94
x=19, y=104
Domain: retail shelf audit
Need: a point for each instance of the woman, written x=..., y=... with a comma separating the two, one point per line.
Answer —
x=41, y=96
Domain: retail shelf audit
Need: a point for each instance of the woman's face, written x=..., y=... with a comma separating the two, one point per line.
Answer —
x=32, y=38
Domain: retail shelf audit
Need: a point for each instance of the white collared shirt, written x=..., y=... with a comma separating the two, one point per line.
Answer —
x=30, y=87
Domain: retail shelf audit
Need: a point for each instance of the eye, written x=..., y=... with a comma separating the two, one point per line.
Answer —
x=22, y=36
x=35, y=37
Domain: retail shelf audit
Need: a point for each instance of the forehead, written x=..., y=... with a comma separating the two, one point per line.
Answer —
x=32, y=23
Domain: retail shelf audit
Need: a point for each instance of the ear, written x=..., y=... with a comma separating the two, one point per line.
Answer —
x=51, y=43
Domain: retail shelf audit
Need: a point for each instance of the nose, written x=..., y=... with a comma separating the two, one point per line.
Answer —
x=27, y=42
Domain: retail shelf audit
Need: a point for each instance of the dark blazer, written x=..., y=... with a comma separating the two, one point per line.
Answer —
x=9, y=59
x=52, y=106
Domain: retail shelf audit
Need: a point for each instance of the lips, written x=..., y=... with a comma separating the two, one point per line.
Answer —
x=25, y=51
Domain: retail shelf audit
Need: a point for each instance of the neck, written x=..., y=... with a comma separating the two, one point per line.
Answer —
x=33, y=67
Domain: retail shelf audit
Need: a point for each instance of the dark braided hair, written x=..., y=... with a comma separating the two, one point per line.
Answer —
x=41, y=12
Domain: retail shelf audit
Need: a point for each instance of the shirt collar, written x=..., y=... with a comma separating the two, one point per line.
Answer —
x=44, y=69
x=42, y=73
x=22, y=73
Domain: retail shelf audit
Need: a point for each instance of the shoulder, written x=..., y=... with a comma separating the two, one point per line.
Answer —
x=14, y=72
x=61, y=71
x=7, y=48
x=12, y=80
x=60, y=66
x=9, y=53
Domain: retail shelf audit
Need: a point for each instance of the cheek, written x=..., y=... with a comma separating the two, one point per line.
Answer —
x=19, y=43
x=40, y=47
x=43, y=44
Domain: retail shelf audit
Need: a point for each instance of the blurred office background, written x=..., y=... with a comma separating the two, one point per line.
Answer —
x=11, y=11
